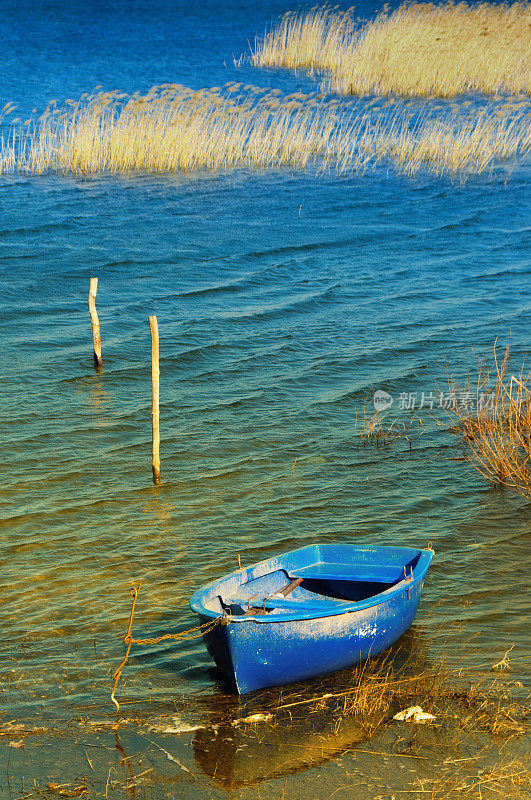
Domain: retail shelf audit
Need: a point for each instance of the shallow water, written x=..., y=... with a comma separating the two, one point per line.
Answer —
x=283, y=301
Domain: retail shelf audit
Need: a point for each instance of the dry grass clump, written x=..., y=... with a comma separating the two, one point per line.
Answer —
x=419, y=49
x=471, y=142
x=461, y=700
x=494, y=424
x=174, y=129
x=374, y=430
x=312, y=39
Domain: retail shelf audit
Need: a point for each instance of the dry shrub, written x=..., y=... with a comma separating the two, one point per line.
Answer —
x=418, y=49
x=494, y=423
x=174, y=129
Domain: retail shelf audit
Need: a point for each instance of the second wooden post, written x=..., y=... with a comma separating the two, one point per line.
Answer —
x=155, y=373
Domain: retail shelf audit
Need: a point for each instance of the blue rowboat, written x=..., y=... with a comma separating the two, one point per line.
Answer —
x=309, y=611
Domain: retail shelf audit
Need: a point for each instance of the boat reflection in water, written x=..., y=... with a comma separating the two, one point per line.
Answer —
x=286, y=730
x=246, y=753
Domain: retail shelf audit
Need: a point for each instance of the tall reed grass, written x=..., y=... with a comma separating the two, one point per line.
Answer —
x=494, y=424
x=174, y=129
x=418, y=49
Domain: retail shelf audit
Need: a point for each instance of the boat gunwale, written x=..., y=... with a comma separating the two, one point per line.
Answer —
x=296, y=614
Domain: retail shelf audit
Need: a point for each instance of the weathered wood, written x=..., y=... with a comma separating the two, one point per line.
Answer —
x=155, y=373
x=96, y=338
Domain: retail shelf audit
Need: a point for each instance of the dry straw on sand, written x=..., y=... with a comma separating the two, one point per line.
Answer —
x=496, y=434
x=174, y=129
x=419, y=49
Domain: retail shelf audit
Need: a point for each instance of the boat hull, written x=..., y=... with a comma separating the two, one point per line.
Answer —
x=256, y=652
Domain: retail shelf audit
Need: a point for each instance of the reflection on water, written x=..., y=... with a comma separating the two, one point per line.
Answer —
x=96, y=395
x=235, y=754
x=282, y=731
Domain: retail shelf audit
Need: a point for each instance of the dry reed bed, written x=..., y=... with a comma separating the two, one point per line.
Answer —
x=494, y=424
x=462, y=701
x=419, y=49
x=174, y=129
x=464, y=751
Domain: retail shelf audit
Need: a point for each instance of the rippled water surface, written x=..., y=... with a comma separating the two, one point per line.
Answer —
x=283, y=301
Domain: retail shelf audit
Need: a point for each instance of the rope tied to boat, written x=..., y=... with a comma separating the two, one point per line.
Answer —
x=183, y=636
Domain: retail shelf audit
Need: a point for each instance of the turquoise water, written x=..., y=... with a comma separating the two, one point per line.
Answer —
x=284, y=301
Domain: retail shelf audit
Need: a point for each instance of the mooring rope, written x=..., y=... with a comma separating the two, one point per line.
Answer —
x=184, y=636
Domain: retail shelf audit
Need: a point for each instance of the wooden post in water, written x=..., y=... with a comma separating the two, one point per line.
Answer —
x=96, y=338
x=155, y=373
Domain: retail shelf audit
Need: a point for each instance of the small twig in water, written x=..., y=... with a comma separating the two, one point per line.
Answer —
x=504, y=662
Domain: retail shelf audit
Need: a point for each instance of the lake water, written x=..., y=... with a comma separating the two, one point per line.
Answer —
x=284, y=300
